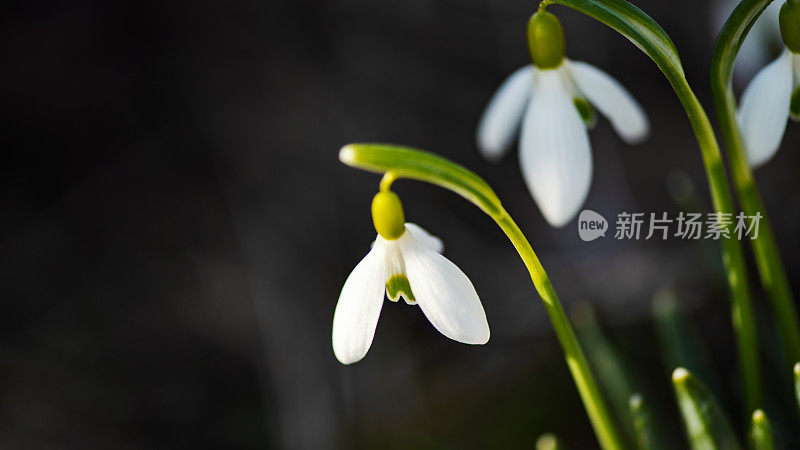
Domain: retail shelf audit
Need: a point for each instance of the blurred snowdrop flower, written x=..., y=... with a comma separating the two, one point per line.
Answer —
x=774, y=94
x=761, y=44
x=404, y=261
x=552, y=101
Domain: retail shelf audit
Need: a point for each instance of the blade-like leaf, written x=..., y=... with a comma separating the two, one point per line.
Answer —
x=644, y=429
x=706, y=425
x=680, y=343
x=609, y=366
x=761, y=432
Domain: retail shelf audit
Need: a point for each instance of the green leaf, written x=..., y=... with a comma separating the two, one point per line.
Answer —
x=644, y=429
x=405, y=162
x=635, y=25
x=706, y=425
x=761, y=432
x=612, y=374
x=679, y=341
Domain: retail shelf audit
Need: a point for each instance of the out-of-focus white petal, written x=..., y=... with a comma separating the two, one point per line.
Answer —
x=359, y=306
x=764, y=110
x=444, y=293
x=423, y=237
x=612, y=100
x=500, y=120
x=555, y=156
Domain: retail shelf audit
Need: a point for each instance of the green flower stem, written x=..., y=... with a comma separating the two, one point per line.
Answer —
x=767, y=256
x=643, y=31
x=402, y=162
x=581, y=373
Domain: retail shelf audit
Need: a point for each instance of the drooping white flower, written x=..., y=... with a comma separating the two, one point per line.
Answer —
x=552, y=100
x=405, y=263
x=773, y=95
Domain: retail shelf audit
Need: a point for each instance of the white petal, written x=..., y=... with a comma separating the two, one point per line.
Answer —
x=500, y=120
x=359, y=306
x=612, y=100
x=555, y=156
x=764, y=110
x=423, y=237
x=445, y=294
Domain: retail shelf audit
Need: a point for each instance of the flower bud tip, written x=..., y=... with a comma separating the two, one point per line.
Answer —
x=636, y=401
x=546, y=442
x=680, y=374
x=347, y=154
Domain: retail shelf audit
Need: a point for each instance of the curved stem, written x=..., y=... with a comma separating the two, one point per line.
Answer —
x=576, y=361
x=768, y=261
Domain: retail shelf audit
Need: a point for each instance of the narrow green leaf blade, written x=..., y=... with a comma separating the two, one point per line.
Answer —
x=406, y=162
x=761, y=432
x=680, y=343
x=611, y=371
x=706, y=425
x=643, y=426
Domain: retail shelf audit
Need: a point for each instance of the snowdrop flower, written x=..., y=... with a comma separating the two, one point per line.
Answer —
x=552, y=102
x=762, y=42
x=404, y=261
x=774, y=94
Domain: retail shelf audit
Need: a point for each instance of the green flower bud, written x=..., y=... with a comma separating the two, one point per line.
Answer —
x=387, y=215
x=789, y=19
x=546, y=40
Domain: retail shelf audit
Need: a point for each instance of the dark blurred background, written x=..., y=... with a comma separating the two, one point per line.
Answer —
x=176, y=226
